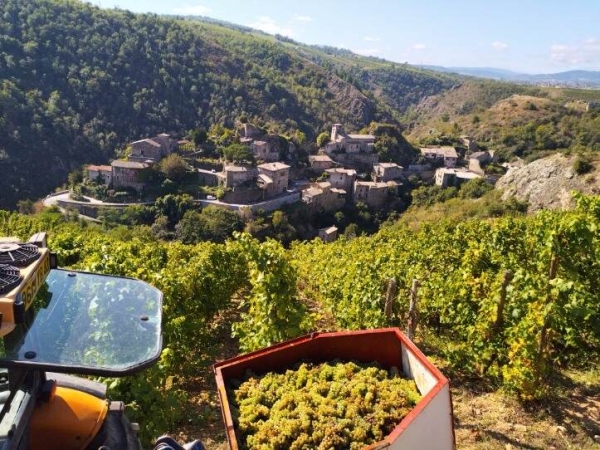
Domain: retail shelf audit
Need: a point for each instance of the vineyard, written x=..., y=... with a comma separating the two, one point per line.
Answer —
x=510, y=301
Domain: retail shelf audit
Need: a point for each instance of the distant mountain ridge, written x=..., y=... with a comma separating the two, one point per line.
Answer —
x=575, y=78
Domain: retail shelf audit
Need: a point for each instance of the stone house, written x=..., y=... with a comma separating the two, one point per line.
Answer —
x=447, y=155
x=210, y=177
x=342, y=178
x=273, y=178
x=128, y=174
x=445, y=177
x=234, y=176
x=321, y=196
x=97, y=173
x=264, y=151
x=371, y=193
x=320, y=163
x=349, y=143
x=478, y=160
x=250, y=131
x=152, y=150
x=469, y=143
x=328, y=234
x=386, y=172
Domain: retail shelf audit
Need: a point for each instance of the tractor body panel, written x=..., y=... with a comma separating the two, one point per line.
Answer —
x=68, y=421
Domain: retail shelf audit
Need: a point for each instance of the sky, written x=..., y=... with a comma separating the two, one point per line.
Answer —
x=530, y=36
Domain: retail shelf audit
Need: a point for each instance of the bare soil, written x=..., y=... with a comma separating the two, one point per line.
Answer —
x=492, y=420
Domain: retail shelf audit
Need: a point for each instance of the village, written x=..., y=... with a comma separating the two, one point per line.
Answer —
x=344, y=171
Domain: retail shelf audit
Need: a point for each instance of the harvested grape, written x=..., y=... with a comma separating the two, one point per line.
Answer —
x=335, y=405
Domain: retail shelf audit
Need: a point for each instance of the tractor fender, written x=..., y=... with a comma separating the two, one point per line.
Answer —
x=69, y=420
x=95, y=388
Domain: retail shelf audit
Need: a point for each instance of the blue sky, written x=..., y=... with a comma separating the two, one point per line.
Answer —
x=530, y=36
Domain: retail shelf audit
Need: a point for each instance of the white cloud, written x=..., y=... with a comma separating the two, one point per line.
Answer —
x=268, y=25
x=585, y=52
x=500, y=46
x=419, y=47
x=591, y=45
x=367, y=51
x=372, y=39
x=192, y=10
x=299, y=18
x=563, y=54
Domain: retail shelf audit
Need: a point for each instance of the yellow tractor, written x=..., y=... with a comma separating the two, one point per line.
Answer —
x=55, y=323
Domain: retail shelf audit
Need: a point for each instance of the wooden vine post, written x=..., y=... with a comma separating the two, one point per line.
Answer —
x=498, y=325
x=413, y=315
x=543, y=342
x=390, y=296
x=499, y=322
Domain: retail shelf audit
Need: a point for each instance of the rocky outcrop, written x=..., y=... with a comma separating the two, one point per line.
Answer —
x=359, y=107
x=547, y=183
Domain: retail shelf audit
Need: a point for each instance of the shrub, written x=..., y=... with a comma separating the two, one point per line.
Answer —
x=582, y=165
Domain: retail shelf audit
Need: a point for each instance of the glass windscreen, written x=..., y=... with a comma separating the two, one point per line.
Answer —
x=88, y=323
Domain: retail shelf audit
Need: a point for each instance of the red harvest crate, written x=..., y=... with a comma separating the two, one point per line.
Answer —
x=429, y=426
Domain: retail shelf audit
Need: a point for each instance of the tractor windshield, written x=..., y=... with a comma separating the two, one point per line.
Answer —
x=87, y=323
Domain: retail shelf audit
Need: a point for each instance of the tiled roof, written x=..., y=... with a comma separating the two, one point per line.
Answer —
x=320, y=158
x=147, y=141
x=273, y=166
x=99, y=168
x=362, y=137
x=128, y=164
x=446, y=152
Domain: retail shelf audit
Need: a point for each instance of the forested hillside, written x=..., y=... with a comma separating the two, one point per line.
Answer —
x=77, y=81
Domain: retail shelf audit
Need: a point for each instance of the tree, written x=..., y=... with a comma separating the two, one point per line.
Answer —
x=299, y=137
x=212, y=224
x=390, y=145
x=238, y=153
x=199, y=136
x=220, y=223
x=173, y=167
x=173, y=207
x=284, y=232
x=160, y=228
x=189, y=230
x=582, y=165
x=221, y=135
x=323, y=139
x=475, y=188
x=75, y=177
x=351, y=231
x=25, y=207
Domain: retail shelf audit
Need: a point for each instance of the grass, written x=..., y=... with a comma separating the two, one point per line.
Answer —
x=457, y=209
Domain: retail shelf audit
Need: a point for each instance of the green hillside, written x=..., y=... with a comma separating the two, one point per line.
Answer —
x=513, y=120
x=78, y=81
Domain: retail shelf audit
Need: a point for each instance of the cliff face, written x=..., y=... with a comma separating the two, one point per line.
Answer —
x=547, y=183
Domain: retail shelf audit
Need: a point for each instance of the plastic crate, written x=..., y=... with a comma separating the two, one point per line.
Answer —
x=429, y=425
